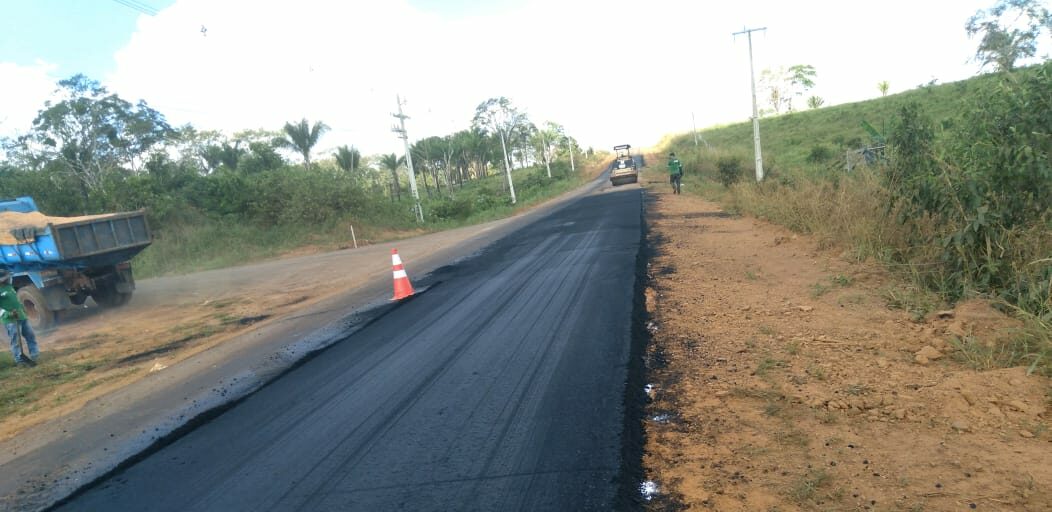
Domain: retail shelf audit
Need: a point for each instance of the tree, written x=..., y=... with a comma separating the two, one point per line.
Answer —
x=92, y=132
x=302, y=137
x=545, y=139
x=883, y=86
x=781, y=85
x=347, y=158
x=392, y=162
x=497, y=115
x=1010, y=31
x=801, y=80
x=434, y=154
x=815, y=102
x=223, y=154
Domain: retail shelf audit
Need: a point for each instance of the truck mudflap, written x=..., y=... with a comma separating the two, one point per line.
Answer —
x=125, y=280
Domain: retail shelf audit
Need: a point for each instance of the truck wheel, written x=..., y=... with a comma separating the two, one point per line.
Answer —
x=109, y=297
x=40, y=317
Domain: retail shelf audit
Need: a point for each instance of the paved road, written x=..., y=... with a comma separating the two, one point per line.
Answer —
x=500, y=388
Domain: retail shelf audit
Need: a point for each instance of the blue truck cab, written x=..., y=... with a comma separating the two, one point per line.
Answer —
x=58, y=263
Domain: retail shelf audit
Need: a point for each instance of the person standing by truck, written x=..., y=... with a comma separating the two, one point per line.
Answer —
x=13, y=316
x=675, y=172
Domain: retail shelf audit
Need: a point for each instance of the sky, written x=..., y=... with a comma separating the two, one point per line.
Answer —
x=611, y=71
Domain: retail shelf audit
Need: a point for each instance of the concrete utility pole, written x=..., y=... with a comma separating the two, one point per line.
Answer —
x=569, y=142
x=400, y=130
x=694, y=126
x=547, y=165
x=755, y=113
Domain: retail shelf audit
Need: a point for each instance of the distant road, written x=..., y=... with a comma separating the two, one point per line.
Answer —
x=500, y=388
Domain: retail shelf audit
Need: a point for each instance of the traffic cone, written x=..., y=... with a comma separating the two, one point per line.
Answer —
x=402, y=287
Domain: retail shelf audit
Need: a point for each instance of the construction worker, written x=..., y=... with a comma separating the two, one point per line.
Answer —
x=675, y=172
x=13, y=316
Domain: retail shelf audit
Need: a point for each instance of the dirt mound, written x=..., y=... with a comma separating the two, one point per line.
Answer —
x=976, y=319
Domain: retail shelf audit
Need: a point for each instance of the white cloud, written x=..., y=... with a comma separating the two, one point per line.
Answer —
x=612, y=71
x=26, y=88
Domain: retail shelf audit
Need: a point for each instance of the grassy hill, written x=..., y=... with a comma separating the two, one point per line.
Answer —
x=961, y=203
x=789, y=139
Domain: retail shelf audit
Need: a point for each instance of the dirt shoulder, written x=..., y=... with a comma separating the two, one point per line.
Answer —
x=783, y=381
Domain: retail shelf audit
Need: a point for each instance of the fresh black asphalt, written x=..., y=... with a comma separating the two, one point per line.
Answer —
x=500, y=388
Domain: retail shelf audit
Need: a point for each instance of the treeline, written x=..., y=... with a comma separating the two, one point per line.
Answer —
x=90, y=151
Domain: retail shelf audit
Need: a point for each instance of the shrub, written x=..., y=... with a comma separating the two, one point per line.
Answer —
x=459, y=208
x=819, y=153
x=729, y=170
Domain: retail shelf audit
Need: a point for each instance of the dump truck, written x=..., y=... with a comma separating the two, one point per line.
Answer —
x=623, y=169
x=59, y=262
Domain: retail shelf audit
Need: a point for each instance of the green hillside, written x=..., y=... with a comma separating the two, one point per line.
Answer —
x=960, y=202
x=789, y=139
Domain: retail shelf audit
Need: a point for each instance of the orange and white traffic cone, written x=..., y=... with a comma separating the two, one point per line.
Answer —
x=402, y=287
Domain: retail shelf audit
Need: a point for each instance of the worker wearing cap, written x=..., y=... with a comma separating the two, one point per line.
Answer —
x=13, y=316
x=675, y=172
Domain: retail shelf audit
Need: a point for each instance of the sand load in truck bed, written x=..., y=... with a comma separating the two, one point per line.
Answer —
x=13, y=222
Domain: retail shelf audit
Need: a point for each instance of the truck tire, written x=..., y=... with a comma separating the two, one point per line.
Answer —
x=109, y=297
x=39, y=316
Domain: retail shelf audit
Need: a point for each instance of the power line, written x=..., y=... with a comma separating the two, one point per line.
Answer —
x=138, y=6
x=142, y=7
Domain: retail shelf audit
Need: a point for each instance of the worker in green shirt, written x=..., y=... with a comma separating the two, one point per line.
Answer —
x=13, y=316
x=675, y=172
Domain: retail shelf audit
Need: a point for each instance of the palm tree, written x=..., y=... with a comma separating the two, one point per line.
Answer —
x=883, y=86
x=392, y=162
x=302, y=137
x=347, y=158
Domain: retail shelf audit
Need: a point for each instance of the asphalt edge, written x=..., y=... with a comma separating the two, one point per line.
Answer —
x=633, y=434
x=369, y=316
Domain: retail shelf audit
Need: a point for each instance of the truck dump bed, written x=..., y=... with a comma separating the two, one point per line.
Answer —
x=33, y=241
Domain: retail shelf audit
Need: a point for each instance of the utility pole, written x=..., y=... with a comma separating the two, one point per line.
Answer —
x=400, y=130
x=755, y=113
x=569, y=142
x=544, y=143
x=694, y=126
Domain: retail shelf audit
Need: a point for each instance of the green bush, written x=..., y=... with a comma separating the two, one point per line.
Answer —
x=459, y=208
x=730, y=171
x=819, y=153
x=986, y=181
